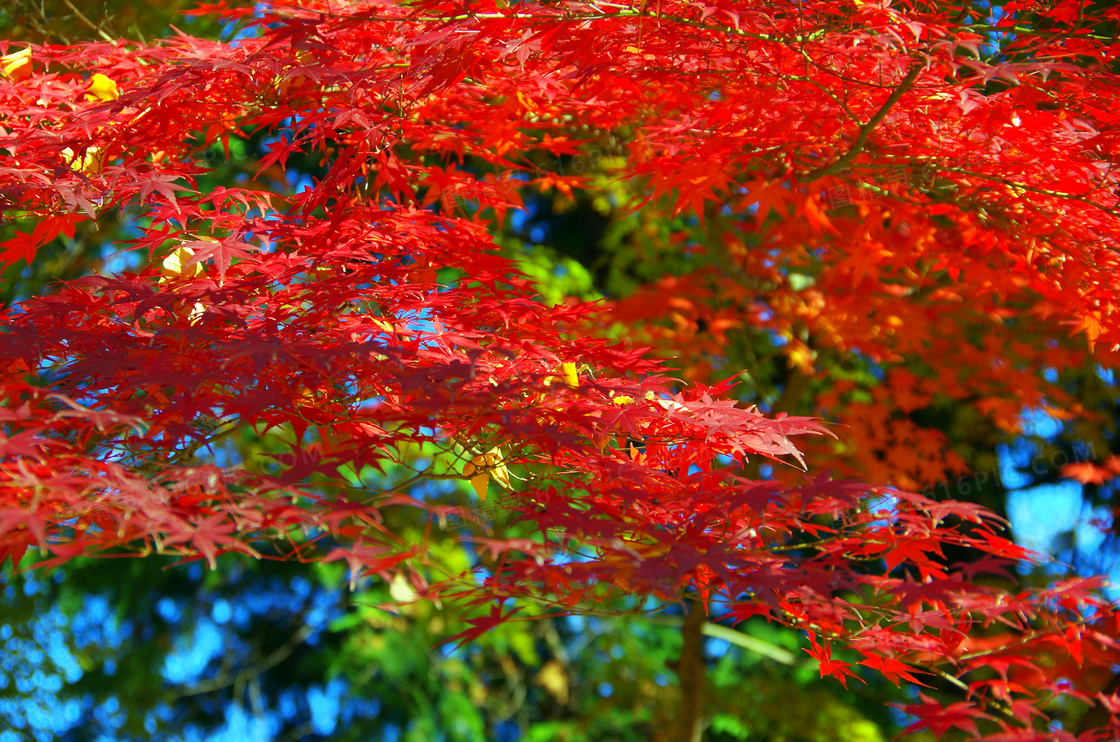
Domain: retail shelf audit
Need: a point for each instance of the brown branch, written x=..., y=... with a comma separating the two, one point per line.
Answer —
x=865, y=130
x=789, y=401
x=1098, y=715
x=81, y=17
x=690, y=670
x=227, y=679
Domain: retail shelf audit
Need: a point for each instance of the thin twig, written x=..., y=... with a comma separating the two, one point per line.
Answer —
x=87, y=21
x=225, y=680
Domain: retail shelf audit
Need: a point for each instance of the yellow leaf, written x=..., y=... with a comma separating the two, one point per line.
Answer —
x=498, y=469
x=401, y=590
x=622, y=399
x=554, y=679
x=571, y=378
x=526, y=103
x=1093, y=326
x=800, y=356
x=480, y=480
x=17, y=65
x=173, y=264
x=89, y=162
x=102, y=88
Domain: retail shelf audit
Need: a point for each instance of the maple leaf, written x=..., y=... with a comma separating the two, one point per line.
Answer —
x=16, y=65
x=24, y=246
x=222, y=251
x=211, y=536
x=482, y=624
x=770, y=196
x=939, y=720
x=161, y=183
x=979, y=220
x=362, y=558
x=891, y=669
x=1087, y=472
x=1002, y=547
x=829, y=667
x=102, y=88
x=914, y=552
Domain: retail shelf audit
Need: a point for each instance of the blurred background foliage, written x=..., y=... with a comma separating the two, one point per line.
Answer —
x=73, y=21
x=271, y=650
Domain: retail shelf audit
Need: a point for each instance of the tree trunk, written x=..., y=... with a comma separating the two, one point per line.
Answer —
x=690, y=671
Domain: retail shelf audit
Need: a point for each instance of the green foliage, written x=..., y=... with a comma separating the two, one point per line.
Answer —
x=71, y=21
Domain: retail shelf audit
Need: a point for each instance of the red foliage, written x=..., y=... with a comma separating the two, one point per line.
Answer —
x=324, y=313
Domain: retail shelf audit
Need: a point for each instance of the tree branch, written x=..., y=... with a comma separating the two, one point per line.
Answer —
x=227, y=679
x=865, y=130
x=788, y=402
x=690, y=671
x=81, y=17
x=1098, y=715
